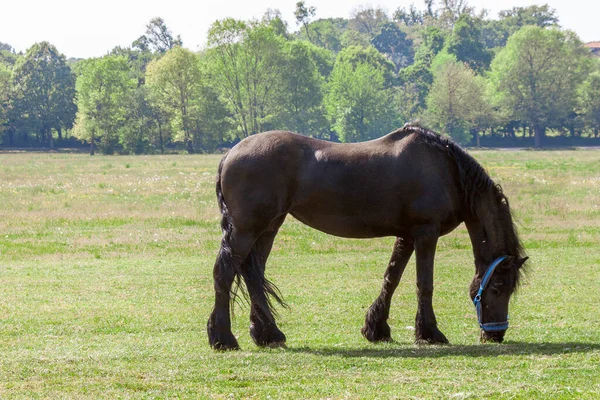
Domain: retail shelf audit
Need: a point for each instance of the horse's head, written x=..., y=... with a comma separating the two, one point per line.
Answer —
x=490, y=291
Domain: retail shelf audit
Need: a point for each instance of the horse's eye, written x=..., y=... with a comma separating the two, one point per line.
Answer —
x=496, y=288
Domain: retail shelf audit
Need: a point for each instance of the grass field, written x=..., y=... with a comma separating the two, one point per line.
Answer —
x=106, y=285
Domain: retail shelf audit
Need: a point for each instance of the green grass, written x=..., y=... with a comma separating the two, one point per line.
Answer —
x=106, y=285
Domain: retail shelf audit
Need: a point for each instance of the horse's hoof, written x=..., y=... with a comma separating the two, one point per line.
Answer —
x=220, y=340
x=377, y=335
x=266, y=335
x=225, y=347
x=276, y=345
x=223, y=343
x=435, y=337
x=491, y=337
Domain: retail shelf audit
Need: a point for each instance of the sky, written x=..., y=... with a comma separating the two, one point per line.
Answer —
x=82, y=29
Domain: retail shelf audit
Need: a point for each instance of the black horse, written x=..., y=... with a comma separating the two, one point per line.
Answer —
x=411, y=184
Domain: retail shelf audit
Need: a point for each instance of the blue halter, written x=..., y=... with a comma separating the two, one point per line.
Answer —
x=489, y=326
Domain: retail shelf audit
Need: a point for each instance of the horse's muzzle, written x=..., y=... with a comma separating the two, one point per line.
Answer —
x=492, y=337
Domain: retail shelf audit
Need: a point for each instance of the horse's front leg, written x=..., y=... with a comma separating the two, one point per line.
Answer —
x=376, y=328
x=426, y=330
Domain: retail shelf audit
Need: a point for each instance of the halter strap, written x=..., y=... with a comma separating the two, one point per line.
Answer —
x=488, y=326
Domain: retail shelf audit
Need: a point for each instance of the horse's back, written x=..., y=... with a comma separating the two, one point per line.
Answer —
x=367, y=189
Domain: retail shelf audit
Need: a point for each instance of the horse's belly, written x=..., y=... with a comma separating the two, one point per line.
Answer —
x=350, y=226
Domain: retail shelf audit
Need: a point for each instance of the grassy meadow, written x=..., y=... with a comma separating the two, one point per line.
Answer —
x=106, y=286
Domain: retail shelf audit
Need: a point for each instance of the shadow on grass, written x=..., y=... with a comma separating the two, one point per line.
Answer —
x=428, y=351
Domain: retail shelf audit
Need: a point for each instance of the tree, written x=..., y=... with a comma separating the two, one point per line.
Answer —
x=104, y=86
x=394, y=43
x=8, y=55
x=357, y=103
x=158, y=37
x=6, y=47
x=44, y=91
x=466, y=44
x=5, y=89
x=456, y=100
x=368, y=55
x=416, y=79
x=303, y=16
x=273, y=19
x=138, y=123
x=536, y=75
x=433, y=41
x=137, y=59
x=495, y=32
x=175, y=81
x=301, y=96
x=589, y=101
x=245, y=69
x=326, y=33
x=451, y=10
x=518, y=17
x=412, y=17
x=368, y=20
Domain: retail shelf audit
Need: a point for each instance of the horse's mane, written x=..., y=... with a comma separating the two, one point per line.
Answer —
x=474, y=181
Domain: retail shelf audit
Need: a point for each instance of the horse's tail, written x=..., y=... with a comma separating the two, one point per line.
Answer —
x=252, y=265
x=225, y=265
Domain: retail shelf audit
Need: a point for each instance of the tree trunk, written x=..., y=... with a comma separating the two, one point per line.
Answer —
x=539, y=132
x=160, y=137
x=188, y=142
x=475, y=132
x=51, y=137
x=92, y=144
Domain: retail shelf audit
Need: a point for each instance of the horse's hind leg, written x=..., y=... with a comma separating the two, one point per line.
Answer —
x=233, y=251
x=376, y=328
x=263, y=328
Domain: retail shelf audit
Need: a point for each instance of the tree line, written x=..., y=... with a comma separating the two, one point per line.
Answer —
x=518, y=78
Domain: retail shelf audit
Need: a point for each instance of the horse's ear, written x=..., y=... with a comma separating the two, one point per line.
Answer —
x=520, y=262
x=508, y=262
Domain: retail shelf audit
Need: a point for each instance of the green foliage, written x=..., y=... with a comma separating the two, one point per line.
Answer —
x=589, y=101
x=432, y=42
x=357, y=102
x=495, y=32
x=416, y=80
x=410, y=17
x=456, y=100
x=104, y=87
x=518, y=17
x=175, y=81
x=536, y=76
x=158, y=38
x=326, y=33
x=44, y=91
x=394, y=43
x=255, y=76
x=355, y=55
x=301, y=95
x=244, y=65
x=465, y=42
x=5, y=89
x=303, y=16
x=139, y=123
x=368, y=20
